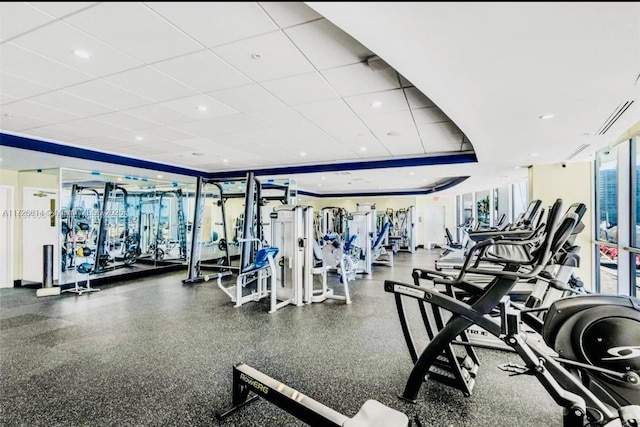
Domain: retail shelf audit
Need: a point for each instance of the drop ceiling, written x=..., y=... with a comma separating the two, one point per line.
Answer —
x=217, y=87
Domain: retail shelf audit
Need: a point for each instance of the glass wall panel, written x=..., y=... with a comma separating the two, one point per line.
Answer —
x=482, y=210
x=607, y=195
x=501, y=206
x=520, y=198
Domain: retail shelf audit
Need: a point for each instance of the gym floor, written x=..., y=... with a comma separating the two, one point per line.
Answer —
x=155, y=352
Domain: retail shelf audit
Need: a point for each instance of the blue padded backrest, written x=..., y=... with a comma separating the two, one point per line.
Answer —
x=381, y=236
x=262, y=258
x=347, y=245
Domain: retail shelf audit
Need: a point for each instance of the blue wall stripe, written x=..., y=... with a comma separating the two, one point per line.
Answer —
x=87, y=154
x=83, y=153
x=447, y=159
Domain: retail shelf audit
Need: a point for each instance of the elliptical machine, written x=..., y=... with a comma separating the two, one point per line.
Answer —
x=589, y=361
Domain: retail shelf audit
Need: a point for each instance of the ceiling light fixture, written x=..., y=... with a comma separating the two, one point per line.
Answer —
x=256, y=56
x=393, y=133
x=139, y=138
x=363, y=148
x=120, y=179
x=516, y=167
x=302, y=154
x=82, y=53
x=411, y=173
x=159, y=176
x=225, y=160
x=197, y=154
x=202, y=108
x=547, y=116
x=534, y=154
x=376, y=104
x=323, y=178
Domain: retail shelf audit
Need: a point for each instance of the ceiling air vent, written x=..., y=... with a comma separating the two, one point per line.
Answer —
x=579, y=150
x=614, y=117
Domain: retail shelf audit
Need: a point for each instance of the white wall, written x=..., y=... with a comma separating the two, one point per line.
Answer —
x=571, y=184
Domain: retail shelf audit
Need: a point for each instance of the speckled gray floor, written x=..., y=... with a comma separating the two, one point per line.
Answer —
x=155, y=352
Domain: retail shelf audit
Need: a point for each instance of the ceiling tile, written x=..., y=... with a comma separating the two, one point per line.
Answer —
x=151, y=83
x=203, y=70
x=129, y=136
x=247, y=98
x=127, y=121
x=33, y=67
x=94, y=128
x=134, y=29
x=388, y=122
x=357, y=79
x=71, y=130
x=417, y=99
x=287, y=14
x=102, y=142
x=325, y=112
x=278, y=57
x=161, y=114
x=216, y=23
x=406, y=142
x=72, y=104
x=6, y=99
x=309, y=87
x=107, y=94
x=429, y=115
x=168, y=133
x=236, y=123
x=16, y=122
x=378, y=102
x=38, y=111
x=326, y=45
x=439, y=134
x=18, y=17
x=189, y=107
x=203, y=128
x=18, y=87
x=59, y=40
x=44, y=132
x=60, y=9
x=277, y=117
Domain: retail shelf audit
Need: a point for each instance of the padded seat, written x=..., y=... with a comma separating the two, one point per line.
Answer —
x=375, y=414
x=262, y=259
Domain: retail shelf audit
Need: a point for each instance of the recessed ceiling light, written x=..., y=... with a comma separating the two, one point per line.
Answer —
x=516, y=167
x=319, y=184
x=363, y=148
x=410, y=173
x=82, y=53
x=393, y=133
x=225, y=160
x=256, y=56
x=139, y=138
x=119, y=179
x=159, y=176
x=547, y=116
x=376, y=104
x=202, y=108
x=302, y=154
x=323, y=177
x=533, y=154
x=197, y=154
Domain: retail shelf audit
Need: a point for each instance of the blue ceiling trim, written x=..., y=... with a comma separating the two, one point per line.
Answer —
x=415, y=192
x=83, y=153
x=447, y=159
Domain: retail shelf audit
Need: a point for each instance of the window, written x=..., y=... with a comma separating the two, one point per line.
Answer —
x=482, y=210
x=607, y=195
x=635, y=215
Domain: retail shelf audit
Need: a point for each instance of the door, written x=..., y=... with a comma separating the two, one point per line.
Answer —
x=434, y=224
x=6, y=236
x=39, y=228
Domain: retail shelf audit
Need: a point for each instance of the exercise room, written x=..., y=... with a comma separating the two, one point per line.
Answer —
x=354, y=214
